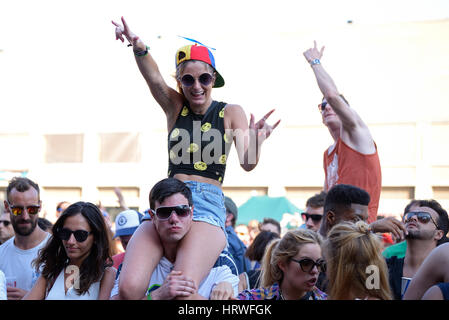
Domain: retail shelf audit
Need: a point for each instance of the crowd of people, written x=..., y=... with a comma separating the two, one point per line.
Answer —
x=188, y=245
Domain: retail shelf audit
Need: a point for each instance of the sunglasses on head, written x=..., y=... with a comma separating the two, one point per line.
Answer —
x=18, y=210
x=307, y=264
x=188, y=80
x=314, y=217
x=65, y=234
x=322, y=106
x=164, y=213
x=5, y=222
x=423, y=217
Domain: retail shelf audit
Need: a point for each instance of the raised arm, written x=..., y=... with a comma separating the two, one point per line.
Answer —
x=248, y=138
x=170, y=100
x=354, y=130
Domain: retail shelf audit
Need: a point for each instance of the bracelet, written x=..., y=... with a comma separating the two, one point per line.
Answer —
x=314, y=62
x=142, y=53
x=149, y=296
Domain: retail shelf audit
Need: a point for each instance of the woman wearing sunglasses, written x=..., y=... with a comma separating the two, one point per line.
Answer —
x=76, y=263
x=200, y=134
x=290, y=269
x=356, y=269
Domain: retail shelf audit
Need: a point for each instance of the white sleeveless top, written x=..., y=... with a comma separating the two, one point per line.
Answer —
x=57, y=292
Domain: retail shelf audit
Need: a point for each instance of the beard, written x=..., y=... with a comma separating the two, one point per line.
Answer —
x=24, y=231
x=420, y=235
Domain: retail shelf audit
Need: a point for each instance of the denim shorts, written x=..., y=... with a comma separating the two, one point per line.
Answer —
x=208, y=202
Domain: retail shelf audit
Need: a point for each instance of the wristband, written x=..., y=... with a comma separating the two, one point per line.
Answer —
x=314, y=62
x=142, y=53
x=149, y=296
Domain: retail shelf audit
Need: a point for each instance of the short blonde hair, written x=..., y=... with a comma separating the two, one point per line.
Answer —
x=282, y=250
x=350, y=249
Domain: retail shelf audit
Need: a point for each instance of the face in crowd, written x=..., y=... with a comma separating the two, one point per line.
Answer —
x=24, y=208
x=172, y=218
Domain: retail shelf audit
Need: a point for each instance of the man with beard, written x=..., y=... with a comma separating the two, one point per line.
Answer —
x=427, y=224
x=23, y=205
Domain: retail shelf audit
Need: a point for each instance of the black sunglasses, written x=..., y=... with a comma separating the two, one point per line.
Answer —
x=307, y=264
x=314, y=217
x=188, y=80
x=423, y=217
x=18, y=210
x=322, y=106
x=80, y=235
x=164, y=213
x=5, y=222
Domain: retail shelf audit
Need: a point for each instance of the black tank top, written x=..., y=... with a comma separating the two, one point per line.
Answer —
x=198, y=145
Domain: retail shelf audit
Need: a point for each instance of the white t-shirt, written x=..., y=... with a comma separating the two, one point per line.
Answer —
x=216, y=275
x=2, y=286
x=15, y=262
x=57, y=292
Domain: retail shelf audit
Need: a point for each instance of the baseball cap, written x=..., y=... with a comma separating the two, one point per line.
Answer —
x=127, y=222
x=200, y=53
x=231, y=207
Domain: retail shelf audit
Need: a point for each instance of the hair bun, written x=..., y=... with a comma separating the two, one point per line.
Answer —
x=363, y=227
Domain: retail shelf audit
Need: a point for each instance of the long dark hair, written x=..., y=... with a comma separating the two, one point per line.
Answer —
x=53, y=258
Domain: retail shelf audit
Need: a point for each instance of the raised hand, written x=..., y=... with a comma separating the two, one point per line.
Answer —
x=124, y=30
x=262, y=129
x=313, y=53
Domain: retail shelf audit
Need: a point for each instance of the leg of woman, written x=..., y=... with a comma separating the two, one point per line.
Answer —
x=199, y=250
x=143, y=253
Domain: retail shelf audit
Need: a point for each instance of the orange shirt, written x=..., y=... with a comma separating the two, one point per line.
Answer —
x=344, y=165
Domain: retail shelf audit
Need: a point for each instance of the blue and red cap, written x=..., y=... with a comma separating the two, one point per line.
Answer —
x=200, y=53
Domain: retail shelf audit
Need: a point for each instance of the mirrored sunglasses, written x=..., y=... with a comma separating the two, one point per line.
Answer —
x=307, y=264
x=80, y=235
x=314, y=217
x=188, y=80
x=423, y=217
x=164, y=213
x=18, y=210
x=322, y=106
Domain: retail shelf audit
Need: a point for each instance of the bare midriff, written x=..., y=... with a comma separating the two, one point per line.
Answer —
x=188, y=177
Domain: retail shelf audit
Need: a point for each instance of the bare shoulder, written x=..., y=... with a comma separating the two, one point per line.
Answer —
x=234, y=114
x=433, y=293
x=233, y=108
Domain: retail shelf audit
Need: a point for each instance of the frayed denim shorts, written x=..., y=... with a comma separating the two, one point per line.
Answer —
x=208, y=202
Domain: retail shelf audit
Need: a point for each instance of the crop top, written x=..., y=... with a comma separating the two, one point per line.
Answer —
x=198, y=145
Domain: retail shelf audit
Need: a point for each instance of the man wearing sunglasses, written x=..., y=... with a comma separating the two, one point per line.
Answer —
x=427, y=224
x=314, y=211
x=353, y=158
x=6, y=229
x=171, y=211
x=350, y=203
x=23, y=206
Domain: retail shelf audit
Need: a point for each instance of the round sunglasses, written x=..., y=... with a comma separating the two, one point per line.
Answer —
x=307, y=264
x=164, y=213
x=188, y=80
x=80, y=235
x=423, y=217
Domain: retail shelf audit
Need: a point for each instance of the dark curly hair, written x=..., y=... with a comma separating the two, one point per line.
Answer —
x=53, y=258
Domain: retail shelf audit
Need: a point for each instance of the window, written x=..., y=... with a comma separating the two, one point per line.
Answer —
x=64, y=148
x=119, y=147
